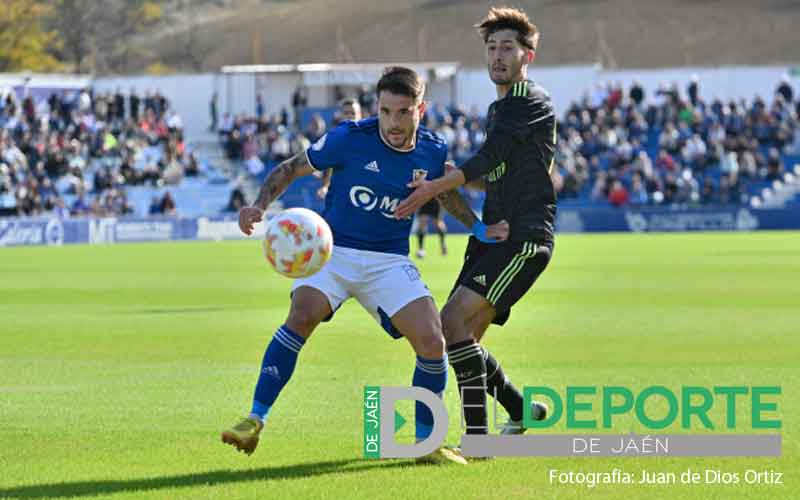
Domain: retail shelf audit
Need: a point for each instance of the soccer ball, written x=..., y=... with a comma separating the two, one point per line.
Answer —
x=298, y=242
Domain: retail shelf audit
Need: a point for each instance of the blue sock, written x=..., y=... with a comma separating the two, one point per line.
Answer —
x=432, y=375
x=276, y=369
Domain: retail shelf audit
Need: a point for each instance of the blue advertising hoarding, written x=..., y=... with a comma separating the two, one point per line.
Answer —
x=18, y=231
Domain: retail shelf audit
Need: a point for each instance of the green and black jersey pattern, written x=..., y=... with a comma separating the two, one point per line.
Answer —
x=516, y=160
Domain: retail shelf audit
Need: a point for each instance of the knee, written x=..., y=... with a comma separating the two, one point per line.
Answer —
x=454, y=326
x=452, y=321
x=431, y=345
x=303, y=319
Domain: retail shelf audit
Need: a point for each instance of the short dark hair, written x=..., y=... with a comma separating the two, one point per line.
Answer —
x=402, y=81
x=509, y=18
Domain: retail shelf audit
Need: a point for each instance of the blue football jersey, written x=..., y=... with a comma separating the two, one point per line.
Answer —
x=369, y=181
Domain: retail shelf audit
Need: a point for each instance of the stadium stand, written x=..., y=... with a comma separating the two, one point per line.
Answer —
x=616, y=147
x=79, y=154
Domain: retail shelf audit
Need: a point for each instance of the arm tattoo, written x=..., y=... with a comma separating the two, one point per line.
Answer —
x=280, y=178
x=454, y=203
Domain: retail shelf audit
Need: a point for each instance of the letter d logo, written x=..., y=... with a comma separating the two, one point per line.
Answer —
x=379, y=432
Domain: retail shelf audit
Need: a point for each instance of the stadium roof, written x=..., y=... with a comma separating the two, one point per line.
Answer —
x=48, y=80
x=442, y=69
x=346, y=73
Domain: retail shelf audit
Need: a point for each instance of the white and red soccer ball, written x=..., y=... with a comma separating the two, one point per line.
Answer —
x=298, y=242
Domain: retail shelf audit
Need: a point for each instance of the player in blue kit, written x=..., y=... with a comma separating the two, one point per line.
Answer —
x=373, y=161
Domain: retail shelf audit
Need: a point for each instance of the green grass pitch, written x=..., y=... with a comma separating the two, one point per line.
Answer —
x=120, y=365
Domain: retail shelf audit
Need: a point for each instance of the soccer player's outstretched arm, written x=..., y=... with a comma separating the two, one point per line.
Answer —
x=492, y=152
x=281, y=176
x=454, y=202
x=478, y=184
x=457, y=206
x=276, y=183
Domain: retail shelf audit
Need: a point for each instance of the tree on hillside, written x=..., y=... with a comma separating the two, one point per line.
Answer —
x=96, y=35
x=24, y=44
x=191, y=46
x=132, y=17
x=77, y=22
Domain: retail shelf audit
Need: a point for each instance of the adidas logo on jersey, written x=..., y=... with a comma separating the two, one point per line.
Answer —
x=372, y=166
x=480, y=279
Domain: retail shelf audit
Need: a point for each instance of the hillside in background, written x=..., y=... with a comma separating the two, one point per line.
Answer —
x=206, y=34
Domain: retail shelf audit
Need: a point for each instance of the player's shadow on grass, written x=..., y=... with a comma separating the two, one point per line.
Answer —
x=210, y=478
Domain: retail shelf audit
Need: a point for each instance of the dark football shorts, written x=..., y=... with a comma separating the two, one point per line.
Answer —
x=502, y=272
x=431, y=208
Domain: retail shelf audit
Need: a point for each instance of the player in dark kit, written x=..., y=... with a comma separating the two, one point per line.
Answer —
x=430, y=212
x=514, y=164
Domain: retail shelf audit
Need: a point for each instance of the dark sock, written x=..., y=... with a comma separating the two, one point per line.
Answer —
x=467, y=361
x=420, y=240
x=441, y=238
x=499, y=387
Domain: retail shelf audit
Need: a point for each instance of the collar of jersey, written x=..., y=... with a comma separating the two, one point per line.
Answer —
x=519, y=89
x=386, y=143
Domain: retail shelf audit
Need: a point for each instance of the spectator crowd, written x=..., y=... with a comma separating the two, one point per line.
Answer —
x=74, y=152
x=87, y=147
x=616, y=145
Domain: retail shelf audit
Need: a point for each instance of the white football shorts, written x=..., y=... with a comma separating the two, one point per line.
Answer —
x=383, y=283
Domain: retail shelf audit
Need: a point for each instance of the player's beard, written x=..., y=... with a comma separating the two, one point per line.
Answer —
x=512, y=73
x=402, y=143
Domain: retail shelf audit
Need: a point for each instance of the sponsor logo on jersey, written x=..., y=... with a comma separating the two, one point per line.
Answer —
x=365, y=198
